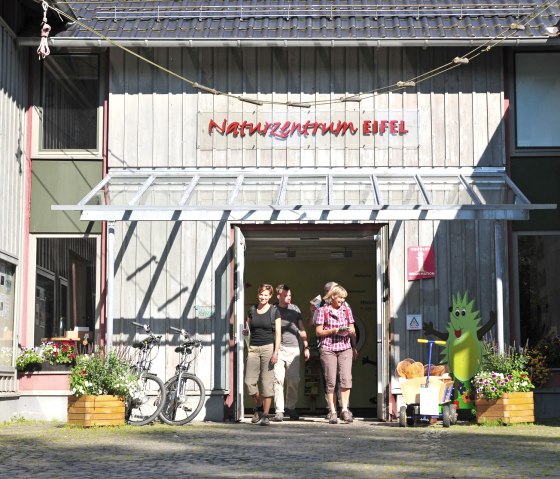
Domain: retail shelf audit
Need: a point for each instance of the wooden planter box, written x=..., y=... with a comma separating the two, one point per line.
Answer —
x=510, y=408
x=96, y=410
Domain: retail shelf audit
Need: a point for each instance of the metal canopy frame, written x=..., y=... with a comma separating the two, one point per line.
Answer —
x=304, y=194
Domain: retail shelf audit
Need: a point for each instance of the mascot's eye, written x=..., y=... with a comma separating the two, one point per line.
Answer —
x=463, y=312
x=457, y=313
x=450, y=309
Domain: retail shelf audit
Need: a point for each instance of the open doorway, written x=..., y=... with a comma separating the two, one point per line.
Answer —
x=306, y=257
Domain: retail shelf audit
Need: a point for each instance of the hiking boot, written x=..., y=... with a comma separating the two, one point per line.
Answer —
x=332, y=418
x=294, y=416
x=257, y=415
x=278, y=417
x=264, y=420
x=347, y=417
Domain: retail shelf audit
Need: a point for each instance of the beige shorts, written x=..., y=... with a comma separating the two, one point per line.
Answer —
x=260, y=367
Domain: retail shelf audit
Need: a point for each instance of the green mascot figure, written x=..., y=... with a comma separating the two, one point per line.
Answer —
x=463, y=351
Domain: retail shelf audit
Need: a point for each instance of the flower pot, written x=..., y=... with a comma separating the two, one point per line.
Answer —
x=101, y=410
x=510, y=408
x=61, y=368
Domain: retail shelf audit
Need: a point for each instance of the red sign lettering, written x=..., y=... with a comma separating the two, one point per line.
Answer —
x=291, y=128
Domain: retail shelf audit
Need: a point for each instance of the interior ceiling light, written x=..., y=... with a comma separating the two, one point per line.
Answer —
x=346, y=253
x=285, y=254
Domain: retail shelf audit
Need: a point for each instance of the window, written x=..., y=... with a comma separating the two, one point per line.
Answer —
x=44, y=306
x=70, y=103
x=539, y=290
x=7, y=272
x=65, y=291
x=537, y=95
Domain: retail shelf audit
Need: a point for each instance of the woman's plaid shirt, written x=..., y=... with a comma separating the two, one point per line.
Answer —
x=331, y=318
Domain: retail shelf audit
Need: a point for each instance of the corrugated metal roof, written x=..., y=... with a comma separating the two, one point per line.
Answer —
x=336, y=21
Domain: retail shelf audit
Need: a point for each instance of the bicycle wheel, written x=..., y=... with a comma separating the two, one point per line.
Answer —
x=145, y=404
x=184, y=401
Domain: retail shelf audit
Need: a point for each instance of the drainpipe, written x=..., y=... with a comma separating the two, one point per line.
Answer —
x=498, y=246
x=110, y=284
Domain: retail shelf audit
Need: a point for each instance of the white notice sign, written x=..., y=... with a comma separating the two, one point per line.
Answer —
x=414, y=322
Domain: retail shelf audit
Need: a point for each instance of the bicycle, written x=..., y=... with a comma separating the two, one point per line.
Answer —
x=144, y=404
x=185, y=391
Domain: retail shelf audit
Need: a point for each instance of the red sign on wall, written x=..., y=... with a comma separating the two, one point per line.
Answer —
x=286, y=129
x=421, y=263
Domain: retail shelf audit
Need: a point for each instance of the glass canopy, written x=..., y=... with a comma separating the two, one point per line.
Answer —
x=305, y=194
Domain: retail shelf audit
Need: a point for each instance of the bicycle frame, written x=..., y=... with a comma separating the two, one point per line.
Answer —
x=150, y=396
x=185, y=391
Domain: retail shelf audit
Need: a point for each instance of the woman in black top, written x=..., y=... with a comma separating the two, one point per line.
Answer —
x=263, y=322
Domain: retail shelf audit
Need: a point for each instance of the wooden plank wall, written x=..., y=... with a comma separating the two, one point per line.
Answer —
x=164, y=270
x=13, y=84
x=167, y=120
x=170, y=274
x=465, y=261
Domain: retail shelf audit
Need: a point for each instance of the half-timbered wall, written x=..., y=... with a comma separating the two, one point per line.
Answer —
x=164, y=270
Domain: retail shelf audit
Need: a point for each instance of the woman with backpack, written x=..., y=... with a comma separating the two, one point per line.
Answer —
x=264, y=327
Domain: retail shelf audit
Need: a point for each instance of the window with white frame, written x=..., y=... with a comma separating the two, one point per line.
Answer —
x=537, y=99
x=70, y=103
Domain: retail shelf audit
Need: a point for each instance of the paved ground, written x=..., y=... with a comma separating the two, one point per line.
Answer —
x=303, y=449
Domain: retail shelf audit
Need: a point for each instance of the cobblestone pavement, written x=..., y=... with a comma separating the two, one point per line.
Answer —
x=303, y=449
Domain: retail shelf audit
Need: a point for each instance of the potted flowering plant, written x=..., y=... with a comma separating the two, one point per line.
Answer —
x=29, y=360
x=59, y=352
x=99, y=383
x=47, y=357
x=493, y=385
x=503, y=386
x=102, y=374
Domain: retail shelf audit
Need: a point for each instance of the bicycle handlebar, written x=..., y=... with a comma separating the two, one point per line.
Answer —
x=182, y=332
x=435, y=341
x=145, y=327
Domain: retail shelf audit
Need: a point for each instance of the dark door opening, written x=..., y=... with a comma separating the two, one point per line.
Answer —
x=307, y=257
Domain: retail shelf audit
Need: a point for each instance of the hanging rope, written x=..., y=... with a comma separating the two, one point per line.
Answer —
x=43, y=51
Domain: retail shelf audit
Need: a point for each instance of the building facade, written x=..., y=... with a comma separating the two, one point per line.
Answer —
x=164, y=161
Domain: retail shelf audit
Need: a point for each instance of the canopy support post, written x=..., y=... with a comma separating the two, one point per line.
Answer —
x=110, y=283
x=498, y=251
